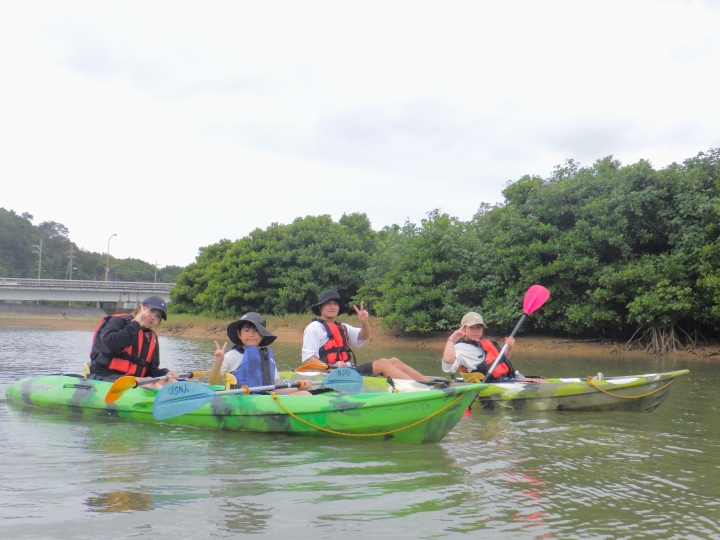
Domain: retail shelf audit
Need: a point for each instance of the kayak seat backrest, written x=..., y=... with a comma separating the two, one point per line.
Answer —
x=86, y=369
x=230, y=381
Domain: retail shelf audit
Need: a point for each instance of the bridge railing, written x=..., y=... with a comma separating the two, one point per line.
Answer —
x=75, y=284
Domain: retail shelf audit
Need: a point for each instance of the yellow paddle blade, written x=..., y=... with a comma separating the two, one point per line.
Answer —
x=312, y=367
x=119, y=387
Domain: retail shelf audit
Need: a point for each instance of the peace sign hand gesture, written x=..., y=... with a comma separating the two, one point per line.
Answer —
x=219, y=352
x=362, y=313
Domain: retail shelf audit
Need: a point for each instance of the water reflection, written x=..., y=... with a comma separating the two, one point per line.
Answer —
x=120, y=501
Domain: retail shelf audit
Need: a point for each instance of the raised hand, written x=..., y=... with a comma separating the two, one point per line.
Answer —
x=219, y=351
x=362, y=313
x=459, y=334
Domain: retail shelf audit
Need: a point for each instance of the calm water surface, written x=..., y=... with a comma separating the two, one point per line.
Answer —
x=497, y=475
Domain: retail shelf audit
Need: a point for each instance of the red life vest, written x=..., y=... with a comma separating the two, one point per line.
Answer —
x=491, y=348
x=337, y=348
x=133, y=359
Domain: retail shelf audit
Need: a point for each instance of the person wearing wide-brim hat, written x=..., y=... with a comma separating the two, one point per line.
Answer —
x=326, y=297
x=327, y=341
x=249, y=361
x=251, y=319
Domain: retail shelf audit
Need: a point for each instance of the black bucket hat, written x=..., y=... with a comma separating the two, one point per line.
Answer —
x=326, y=297
x=155, y=302
x=258, y=322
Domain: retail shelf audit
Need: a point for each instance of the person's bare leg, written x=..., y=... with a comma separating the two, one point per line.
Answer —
x=397, y=369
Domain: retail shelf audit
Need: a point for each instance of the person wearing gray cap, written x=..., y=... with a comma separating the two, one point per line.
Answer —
x=128, y=345
x=469, y=353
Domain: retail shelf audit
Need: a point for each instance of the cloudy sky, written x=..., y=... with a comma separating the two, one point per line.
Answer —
x=177, y=124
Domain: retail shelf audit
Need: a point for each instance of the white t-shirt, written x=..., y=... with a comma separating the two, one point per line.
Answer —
x=466, y=355
x=315, y=336
x=233, y=359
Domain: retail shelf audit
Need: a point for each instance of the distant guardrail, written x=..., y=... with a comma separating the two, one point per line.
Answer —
x=78, y=284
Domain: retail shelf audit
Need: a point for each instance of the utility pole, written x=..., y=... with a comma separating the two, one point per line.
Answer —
x=38, y=252
x=71, y=254
x=155, y=270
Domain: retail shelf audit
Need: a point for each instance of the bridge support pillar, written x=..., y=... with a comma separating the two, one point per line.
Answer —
x=111, y=308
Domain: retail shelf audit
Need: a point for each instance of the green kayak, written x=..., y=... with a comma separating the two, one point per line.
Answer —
x=640, y=393
x=409, y=417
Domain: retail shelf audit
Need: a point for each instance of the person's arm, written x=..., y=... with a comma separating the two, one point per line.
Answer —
x=510, y=341
x=154, y=369
x=118, y=334
x=215, y=375
x=272, y=357
x=311, y=344
x=364, y=318
x=449, y=355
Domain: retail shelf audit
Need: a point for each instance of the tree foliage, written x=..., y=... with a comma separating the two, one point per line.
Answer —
x=625, y=251
x=19, y=258
x=621, y=248
x=281, y=269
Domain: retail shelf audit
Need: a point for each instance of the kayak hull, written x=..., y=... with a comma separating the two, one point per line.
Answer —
x=409, y=417
x=640, y=393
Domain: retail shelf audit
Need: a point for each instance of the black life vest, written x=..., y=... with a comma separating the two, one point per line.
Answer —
x=337, y=348
x=133, y=359
x=492, y=349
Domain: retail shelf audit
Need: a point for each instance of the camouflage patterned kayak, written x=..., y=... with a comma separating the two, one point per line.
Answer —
x=641, y=393
x=410, y=417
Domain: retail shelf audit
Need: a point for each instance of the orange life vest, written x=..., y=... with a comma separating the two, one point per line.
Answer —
x=337, y=348
x=491, y=348
x=133, y=359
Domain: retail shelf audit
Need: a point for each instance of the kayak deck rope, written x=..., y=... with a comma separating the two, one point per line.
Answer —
x=591, y=383
x=333, y=432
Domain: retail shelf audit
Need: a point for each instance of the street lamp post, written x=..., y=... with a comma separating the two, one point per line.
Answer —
x=107, y=258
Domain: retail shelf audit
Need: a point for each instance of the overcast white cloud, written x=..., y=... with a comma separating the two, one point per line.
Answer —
x=176, y=124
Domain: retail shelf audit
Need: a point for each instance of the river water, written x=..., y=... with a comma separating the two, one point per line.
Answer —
x=498, y=474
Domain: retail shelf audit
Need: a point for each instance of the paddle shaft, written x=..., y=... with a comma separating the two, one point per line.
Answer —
x=166, y=377
x=505, y=347
x=254, y=389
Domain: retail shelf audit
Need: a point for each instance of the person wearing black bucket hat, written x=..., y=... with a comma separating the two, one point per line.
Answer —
x=250, y=361
x=126, y=344
x=328, y=341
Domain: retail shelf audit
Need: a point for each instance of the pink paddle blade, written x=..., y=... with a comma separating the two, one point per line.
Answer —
x=536, y=296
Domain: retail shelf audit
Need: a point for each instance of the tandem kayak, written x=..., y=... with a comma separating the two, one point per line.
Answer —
x=409, y=417
x=641, y=393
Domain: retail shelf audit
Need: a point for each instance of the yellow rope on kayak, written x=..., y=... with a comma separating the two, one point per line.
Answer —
x=591, y=383
x=363, y=434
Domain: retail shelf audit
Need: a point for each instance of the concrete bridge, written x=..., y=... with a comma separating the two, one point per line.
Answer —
x=108, y=294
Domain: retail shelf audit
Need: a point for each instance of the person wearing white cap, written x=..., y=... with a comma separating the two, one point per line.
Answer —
x=469, y=353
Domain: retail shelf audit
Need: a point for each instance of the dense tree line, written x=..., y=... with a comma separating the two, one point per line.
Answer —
x=281, y=269
x=625, y=250
x=20, y=258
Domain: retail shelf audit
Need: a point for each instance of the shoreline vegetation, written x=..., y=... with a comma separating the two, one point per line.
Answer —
x=289, y=329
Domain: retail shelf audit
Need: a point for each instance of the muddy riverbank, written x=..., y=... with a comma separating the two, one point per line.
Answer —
x=289, y=330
